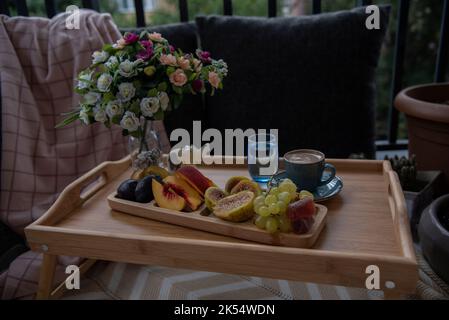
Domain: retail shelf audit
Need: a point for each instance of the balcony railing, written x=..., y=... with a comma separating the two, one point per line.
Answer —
x=392, y=143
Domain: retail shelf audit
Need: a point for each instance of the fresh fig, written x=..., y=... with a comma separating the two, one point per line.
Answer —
x=247, y=185
x=237, y=207
x=138, y=174
x=144, y=190
x=232, y=182
x=157, y=171
x=212, y=196
x=126, y=190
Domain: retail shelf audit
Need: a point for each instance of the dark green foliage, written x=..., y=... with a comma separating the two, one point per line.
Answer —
x=406, y=170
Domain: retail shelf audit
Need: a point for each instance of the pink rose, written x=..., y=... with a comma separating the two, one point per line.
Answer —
x=130, y=37
x=196, y=65
x=214, y=79
x=178, y=78
x=168, y=59
x=184, y=63
x=120, y=44
x=155, y=36
x=146, y=43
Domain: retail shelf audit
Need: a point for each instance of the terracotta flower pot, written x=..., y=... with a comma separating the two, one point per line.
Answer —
x=427, y=111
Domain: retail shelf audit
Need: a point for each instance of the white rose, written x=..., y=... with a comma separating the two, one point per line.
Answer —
x=84, y=80
x=100, y=114
x=112, y=62
x=91, y=97
x=130, y=122
x=164, y=100
x=149, y=106
x=126, y=69
x=114, y=108
x=99, y=57
x=126, y=91
x=84, y=116
x=104, y=81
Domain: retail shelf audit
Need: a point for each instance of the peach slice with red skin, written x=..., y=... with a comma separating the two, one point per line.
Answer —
x=167, y=198
x=195, y=178
x=183, y=189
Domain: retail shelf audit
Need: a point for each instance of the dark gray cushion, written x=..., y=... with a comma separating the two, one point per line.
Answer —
x=311, y=77
x=183, y=36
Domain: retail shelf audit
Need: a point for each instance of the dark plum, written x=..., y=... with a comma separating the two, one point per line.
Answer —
x=144, y=189
x=127, y=189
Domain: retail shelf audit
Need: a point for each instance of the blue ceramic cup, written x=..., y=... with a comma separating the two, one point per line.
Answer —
x=306, y=169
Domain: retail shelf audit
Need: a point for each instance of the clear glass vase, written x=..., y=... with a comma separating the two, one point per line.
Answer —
x=145, y=151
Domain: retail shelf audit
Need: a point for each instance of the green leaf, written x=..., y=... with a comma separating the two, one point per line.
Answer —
x=108, y=48
x=137, y=84
x=177, y=90
x=159, y=115
x=176, y=100
x=170, y=70
x=135, y=134
x=152, y=92
x=116, y=119
x=80, y=91
x=143, y=34
x=192, y=76
x=67, y=121
x=162, y=86
x=108, y=96
x=134, y=107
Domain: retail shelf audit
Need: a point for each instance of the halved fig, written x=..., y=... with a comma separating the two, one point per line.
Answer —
x=212, y=196
x=237, y=207
x=232, y=182
x=247, y=185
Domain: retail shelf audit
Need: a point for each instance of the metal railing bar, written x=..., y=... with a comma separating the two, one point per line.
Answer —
x=227, y=7
x=50, y=8
x=363, y=3
x=183, y=11
x=140, y=13
x=91, y=4
x=316, y=6
x=22, y=8
x=399, y=55
x=272, y=8
x=4, y=9
x=443, y=49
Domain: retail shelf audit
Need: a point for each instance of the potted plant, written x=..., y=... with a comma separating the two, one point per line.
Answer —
x=420, y=187
x=427, y=111
x=434, y=236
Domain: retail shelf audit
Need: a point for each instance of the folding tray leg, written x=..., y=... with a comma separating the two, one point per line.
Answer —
x=46, y=276
x=393, y=295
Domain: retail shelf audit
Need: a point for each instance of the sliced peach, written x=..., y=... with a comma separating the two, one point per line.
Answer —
x=167, y=198
x=183, y=189
x=195, y=178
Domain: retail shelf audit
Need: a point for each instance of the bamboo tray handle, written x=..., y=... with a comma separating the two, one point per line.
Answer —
x=400, y=217
x=82, y=189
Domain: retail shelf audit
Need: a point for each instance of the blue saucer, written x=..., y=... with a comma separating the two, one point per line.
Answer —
x=322, y=193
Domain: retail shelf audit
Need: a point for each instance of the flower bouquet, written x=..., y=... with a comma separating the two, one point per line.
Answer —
x=139, y=79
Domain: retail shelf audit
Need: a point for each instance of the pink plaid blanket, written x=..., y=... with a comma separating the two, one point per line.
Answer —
x=39, y=60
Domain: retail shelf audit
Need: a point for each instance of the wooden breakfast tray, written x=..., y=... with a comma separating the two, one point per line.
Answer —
x=366, y=225
x=201, y=220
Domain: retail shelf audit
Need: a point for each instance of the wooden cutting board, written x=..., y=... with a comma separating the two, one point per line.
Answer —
x=202, y=220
